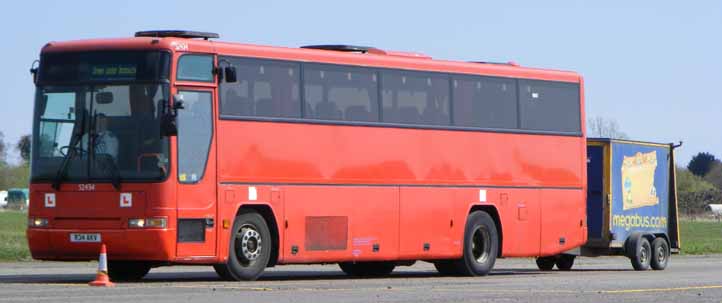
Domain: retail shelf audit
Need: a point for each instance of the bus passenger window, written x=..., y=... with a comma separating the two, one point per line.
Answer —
x=340, y=93
x=415, y=98
x=264, y=88
x=549, y=106
x=485, y=102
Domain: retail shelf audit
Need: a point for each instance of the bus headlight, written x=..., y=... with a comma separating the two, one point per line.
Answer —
x=37, y=222
x=136, y=223
x=153, y=222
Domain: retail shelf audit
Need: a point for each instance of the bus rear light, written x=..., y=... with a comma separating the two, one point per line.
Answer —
x=154, y=222
x=37, y=222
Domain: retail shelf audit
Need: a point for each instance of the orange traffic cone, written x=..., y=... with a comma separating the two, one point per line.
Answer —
x=101, y=278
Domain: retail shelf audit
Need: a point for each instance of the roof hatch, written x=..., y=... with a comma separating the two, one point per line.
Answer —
x=177, y=34
x=365, y=50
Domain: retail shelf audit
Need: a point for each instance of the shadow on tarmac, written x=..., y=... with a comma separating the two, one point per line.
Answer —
x=274, y=275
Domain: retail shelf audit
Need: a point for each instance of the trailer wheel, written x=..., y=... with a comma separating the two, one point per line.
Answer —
x=367, y=269
x=565, y=262
x=481, y=244
x=660, y=254
x=249, y=249
x=546, y=263
x=641, y=254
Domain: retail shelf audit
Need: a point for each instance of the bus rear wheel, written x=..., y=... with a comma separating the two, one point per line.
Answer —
x=127, y=270
x=367, y=269
x=249, y=249
x=481, y=244
x=546, y=263
x=565, y=262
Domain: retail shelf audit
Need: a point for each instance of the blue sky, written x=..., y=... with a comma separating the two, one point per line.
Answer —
x=653, y=66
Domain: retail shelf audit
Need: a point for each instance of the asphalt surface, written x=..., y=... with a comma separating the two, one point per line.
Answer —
x=607, y=279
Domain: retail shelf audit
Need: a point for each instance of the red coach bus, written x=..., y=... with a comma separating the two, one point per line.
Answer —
x=171, y=148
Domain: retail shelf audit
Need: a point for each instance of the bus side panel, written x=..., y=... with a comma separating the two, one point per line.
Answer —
x=341, y=223
x=426, y=223
x=563, y=219
x=519, y=212
x=640, y=190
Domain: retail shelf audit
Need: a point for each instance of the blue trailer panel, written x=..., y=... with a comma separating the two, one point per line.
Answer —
x=640, y=190
x=631, y=204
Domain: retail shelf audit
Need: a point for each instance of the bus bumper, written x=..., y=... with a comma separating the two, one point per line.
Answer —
x=122, y=244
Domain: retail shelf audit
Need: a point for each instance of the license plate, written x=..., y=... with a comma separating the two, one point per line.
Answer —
x=85, y=238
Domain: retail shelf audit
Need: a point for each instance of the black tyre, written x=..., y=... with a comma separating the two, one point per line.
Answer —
x=367, y=269
x=481, y=244
x=546, y=263
x=660, y=254
x=249, y=249
x=565, y=262
x=641, y=254
x=446, y=267
x=222, y=272
x=127, y=270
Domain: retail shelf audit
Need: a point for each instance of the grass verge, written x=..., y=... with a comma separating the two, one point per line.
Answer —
x=13, y=244
x=700, y=237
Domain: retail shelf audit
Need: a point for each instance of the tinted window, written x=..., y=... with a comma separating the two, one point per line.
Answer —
x=195, y=129
x=549, y=106
x=195, y=68
x=264, y=89
x=340, y=93
x=485, y=102
x=415, y=98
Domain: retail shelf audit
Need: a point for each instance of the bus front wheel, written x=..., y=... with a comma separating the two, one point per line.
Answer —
x=249, y=248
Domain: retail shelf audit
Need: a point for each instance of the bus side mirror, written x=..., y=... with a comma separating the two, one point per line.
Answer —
x=34, y=70
x=168, y=123
x=230, y=74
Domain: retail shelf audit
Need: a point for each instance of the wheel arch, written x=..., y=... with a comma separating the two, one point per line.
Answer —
x=267, y=213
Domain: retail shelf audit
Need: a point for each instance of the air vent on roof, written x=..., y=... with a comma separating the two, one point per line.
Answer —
x=177, y=33
x=346, y=48
x=512, y=63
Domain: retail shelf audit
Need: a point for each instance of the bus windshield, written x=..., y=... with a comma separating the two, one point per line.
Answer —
x=117, y=129
x=97, y=116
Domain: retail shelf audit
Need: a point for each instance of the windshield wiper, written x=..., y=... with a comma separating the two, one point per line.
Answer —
x=78, y=133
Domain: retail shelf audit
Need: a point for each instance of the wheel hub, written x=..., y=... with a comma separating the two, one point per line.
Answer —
x=481, y=245
x=250, y=243
x=643, y=255
x=661, y=255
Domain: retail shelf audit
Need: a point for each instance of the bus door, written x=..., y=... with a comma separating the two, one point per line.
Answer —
x=196, y=174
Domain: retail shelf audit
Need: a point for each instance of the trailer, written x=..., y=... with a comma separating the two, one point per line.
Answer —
x=631, y=205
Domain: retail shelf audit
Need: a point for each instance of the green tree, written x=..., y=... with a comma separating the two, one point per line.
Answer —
x=701, y=163
x=694, y=193
x=23, y=146
x=714, y=175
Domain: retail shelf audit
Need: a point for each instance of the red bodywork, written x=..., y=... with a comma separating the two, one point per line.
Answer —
x=408, y=191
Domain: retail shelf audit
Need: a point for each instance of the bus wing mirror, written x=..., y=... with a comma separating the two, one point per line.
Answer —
x=230, y=74
x=168, y=123
x=34, y=70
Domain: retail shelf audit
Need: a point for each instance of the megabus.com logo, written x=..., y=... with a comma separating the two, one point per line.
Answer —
x=636, y=221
